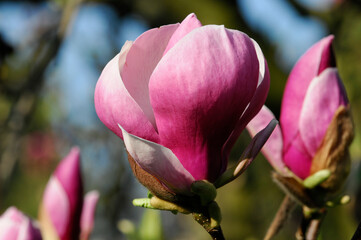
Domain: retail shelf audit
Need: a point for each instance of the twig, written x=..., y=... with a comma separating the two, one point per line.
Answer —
x=310, y=224
x=282, y=214
x=314, y=229
x=205, y=221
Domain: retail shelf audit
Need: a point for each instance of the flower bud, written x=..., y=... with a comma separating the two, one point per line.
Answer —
x=316, y=129
x=62, y=201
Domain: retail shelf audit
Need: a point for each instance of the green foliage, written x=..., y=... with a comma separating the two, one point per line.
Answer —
x=150, y=227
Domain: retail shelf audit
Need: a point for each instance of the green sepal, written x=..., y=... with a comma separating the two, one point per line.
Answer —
x=205, y=190
x=159, y=204
x=316, y=179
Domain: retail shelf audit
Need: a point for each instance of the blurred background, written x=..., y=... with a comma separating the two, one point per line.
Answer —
x=52, y=53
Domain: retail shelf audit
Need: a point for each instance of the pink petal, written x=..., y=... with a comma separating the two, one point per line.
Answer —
x=63, y=196
x=256, y=103
x=188, y=24
x=27, y=231
x=13, y=214
x=198, y=92
x=10, y=222
x=57, y=206
x=87, y=215
x=297, y=158
x=324, y=95
x=316, y=59
x=8, y=230
x=69, y=176
x=142, y=58
x=15, y=225
x=114, y=105
x=272, y=149
x=327, y=59
x=160, y=162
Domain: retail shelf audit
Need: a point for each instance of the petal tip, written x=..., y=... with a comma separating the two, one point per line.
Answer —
x=191, y=15
x=328, y=59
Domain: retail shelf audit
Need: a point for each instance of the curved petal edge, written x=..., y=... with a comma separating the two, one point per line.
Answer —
x=160, y=162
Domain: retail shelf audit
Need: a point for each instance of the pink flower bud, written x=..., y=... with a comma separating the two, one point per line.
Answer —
x=315, y=124
x=62, y=201
x=182, y=94
x=15, y=225
x=312, y=95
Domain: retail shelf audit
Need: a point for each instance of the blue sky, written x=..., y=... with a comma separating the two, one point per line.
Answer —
x=278, y=21
x=98, y=33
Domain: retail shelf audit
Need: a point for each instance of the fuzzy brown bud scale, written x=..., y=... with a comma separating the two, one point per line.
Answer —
x=332, y=155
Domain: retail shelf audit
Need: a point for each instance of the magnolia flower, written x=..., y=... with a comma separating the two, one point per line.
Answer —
x=63, y=214
x=315, y=123
x=179, y=96
x=14, y=225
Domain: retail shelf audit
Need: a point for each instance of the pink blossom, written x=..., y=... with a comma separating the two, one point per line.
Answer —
x=180, y=95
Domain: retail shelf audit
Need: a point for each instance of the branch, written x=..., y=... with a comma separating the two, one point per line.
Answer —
x=281, y=217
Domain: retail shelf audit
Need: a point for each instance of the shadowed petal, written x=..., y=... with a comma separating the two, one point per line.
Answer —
x=328, y=59
x=297, y=159
x=160, y=162
x=248, y=155
x=272, y=149
x=256, y=103
x=324, y=96
x=27, y=231
x=198, y=103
